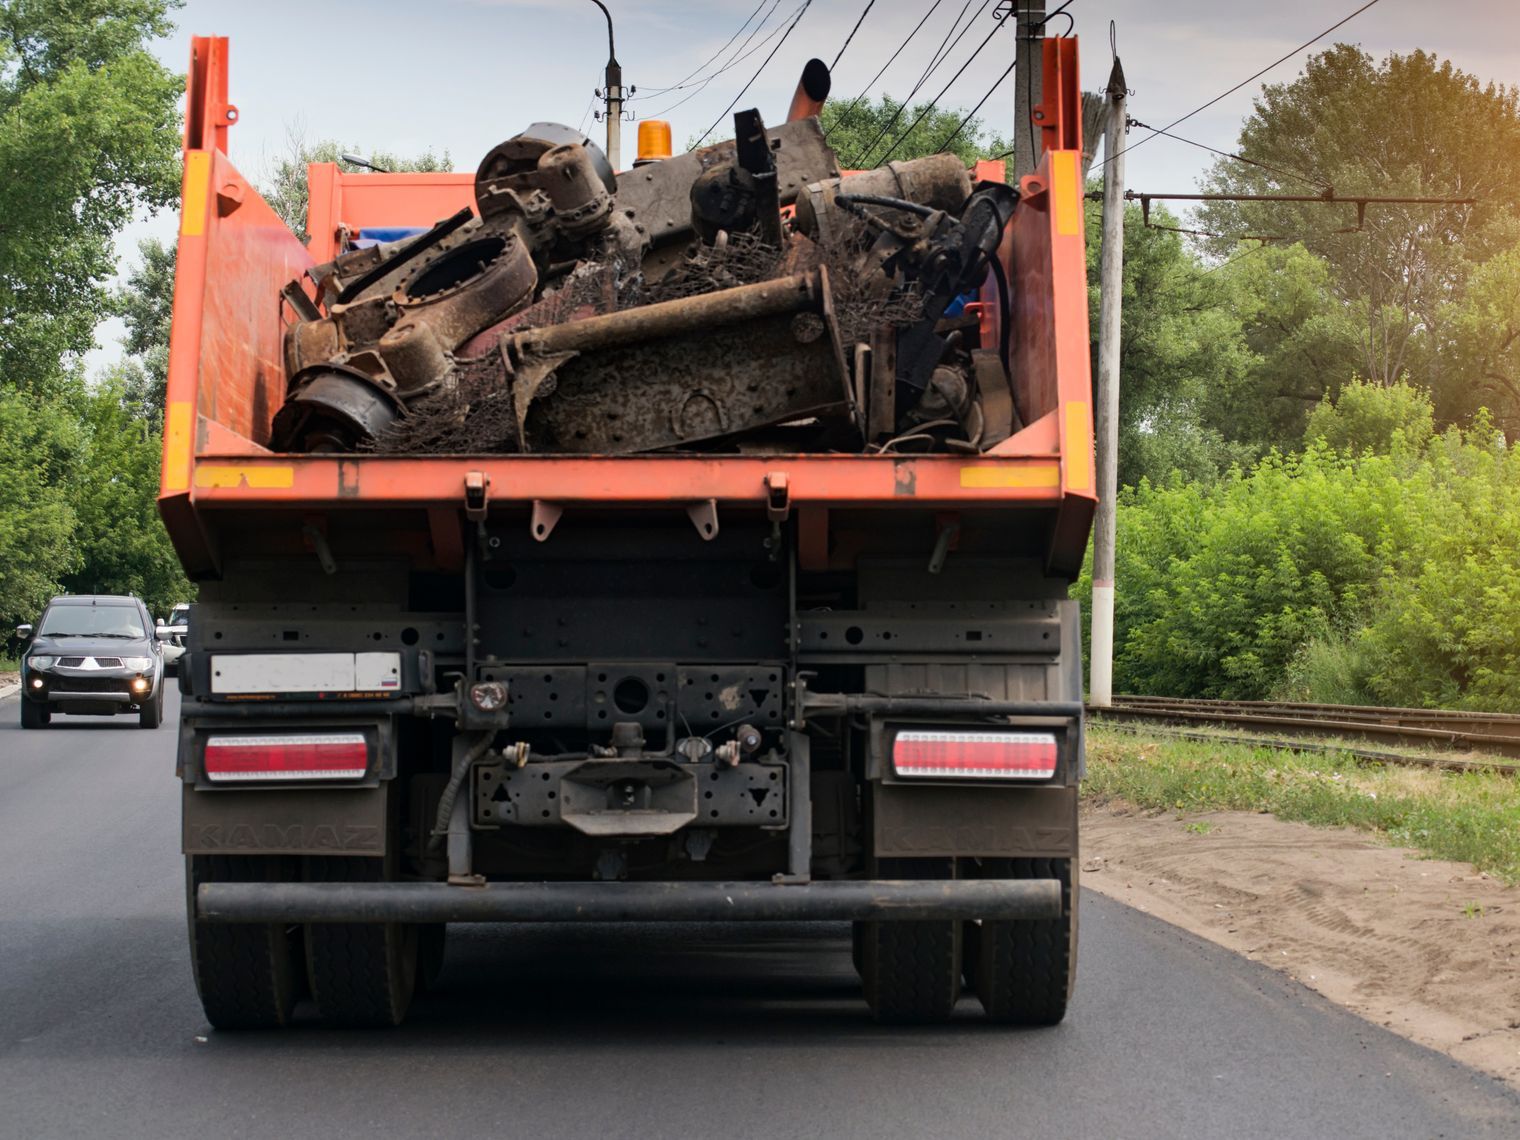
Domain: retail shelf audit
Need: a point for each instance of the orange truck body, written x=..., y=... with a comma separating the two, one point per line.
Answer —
x=226, y=378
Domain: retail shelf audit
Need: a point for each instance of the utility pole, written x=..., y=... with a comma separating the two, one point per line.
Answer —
x=613, y=95
x=1101, y=679
x=1028, y=85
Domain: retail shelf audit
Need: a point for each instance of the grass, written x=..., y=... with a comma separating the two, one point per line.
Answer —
x=1471, y=817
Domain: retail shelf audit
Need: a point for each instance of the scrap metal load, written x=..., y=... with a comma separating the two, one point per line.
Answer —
x=675, y=307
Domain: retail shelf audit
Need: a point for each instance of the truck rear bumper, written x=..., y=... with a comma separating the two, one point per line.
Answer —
x=630, y=902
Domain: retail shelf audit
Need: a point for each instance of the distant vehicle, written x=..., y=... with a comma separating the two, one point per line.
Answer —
x=92, y=655
x=171, y=636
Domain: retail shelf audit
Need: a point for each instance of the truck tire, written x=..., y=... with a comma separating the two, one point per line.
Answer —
x=911, y=970
x=361, y=974
x=1023, y=972
x=432, y=941
x=248, y=977
x=152, y=714
x=34, y=715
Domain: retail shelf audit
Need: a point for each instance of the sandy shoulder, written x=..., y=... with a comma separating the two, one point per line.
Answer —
x=1429, y=949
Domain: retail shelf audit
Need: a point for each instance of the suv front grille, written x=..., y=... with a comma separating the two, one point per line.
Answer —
x=71, y=662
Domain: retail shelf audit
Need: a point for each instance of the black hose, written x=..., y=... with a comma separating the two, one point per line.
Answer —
x=451, y=789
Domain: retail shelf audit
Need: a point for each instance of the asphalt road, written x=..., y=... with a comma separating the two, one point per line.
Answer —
x=693, y=1031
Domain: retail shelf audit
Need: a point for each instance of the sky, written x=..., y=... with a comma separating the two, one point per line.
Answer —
x=459, y=76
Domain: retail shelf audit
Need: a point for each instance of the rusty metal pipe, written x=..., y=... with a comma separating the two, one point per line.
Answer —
x=812, y=89
x=673, y=318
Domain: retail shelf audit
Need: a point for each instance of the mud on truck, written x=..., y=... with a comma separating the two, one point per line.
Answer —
x=684, y=543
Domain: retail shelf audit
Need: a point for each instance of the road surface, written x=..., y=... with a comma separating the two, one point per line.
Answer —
x=693, y=1031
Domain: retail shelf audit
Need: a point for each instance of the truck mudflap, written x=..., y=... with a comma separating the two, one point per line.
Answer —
x=833, y=901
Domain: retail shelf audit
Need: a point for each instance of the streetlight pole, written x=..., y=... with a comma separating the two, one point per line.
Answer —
x=613, y=95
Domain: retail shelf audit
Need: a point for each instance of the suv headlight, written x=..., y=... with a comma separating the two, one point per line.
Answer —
x=41, y=661
x=141, y=664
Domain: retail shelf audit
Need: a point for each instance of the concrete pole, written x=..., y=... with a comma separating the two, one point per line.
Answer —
x=613, y=95
x=1028, y=85
x=1101, y=680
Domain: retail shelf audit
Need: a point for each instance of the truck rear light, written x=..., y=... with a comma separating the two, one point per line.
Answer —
x=308, y=756
x=974, y=755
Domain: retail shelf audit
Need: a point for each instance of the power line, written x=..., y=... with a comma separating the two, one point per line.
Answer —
x=845, y=114
x=870, y=4
x=941, y=53
x=960, y=126
x=681, y=83
x=933, y=103
x=1252, y=78
x=795, y=21
x=1309, y=180
x=733, y=62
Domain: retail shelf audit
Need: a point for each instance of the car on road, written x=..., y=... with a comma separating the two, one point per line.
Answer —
x=172, y=634
x=92, y=655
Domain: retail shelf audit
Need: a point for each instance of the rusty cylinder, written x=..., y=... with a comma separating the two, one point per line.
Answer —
x=812, y=89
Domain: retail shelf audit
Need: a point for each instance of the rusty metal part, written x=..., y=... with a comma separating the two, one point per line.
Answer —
x=685, y=371
x=656, y=197
x=732, y=197
x=469, y=288
x=331, y=408
x=812, y=89
x=551, y=175
x=994, y=388
x=404, y=254
x=939, y=181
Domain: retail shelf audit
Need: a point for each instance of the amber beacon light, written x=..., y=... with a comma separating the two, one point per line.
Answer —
x=654, y=141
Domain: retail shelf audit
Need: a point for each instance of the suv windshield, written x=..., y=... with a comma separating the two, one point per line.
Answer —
x=179, y=615
x=92, y=621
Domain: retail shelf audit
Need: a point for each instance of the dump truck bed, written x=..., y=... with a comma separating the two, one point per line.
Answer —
x=227, y=380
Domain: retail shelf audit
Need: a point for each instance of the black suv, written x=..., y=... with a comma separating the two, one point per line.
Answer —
x=94, y=655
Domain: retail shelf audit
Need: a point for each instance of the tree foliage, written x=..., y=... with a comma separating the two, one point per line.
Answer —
x=86, y=136
x=1408, y=125
x=862, y=133
x=284, y=185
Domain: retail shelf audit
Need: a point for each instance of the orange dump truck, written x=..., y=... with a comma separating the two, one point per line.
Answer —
x=796, y=676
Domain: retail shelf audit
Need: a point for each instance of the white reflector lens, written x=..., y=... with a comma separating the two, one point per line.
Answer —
x=947, y=754
x=331, y=756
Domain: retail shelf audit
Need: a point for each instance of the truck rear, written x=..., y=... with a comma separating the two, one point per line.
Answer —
x=690, y=607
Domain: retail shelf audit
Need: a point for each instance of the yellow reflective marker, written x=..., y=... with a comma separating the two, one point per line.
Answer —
x=261, y=477
x=1065, y=190
x=1041, y=475
x=177, y=427
x=192, y=218
x=1076, y=446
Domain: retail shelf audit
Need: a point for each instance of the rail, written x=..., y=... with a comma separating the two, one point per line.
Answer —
x=1284, y=724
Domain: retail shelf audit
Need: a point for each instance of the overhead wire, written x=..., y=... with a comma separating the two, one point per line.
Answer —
x=797, y=19
x=940, y=55
x=1305, y=178
x=737, y=58
x=1251, y=78
x=869, y=5
x=681, y=83
x=845, y=114
x=933, y=103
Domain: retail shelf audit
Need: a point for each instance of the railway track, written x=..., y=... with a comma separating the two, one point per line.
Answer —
x=1459, y=741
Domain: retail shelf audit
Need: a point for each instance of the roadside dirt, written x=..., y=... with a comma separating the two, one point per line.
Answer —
x=1429, y=949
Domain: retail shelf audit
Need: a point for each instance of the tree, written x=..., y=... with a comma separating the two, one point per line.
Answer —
x=862, y=133
x=285, y=186
x=146, y=303
x=40, y=444
x=1410, y=125
x=121, y=544
x=87, y=135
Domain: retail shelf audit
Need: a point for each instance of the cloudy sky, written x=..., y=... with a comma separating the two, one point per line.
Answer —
x=461, y=75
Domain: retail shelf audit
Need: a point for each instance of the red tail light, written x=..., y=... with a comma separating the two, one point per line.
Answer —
x=974, y=755
x=308, y=756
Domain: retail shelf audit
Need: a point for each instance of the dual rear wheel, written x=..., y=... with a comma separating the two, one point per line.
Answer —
x=357, y=974
x=1021, y=972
